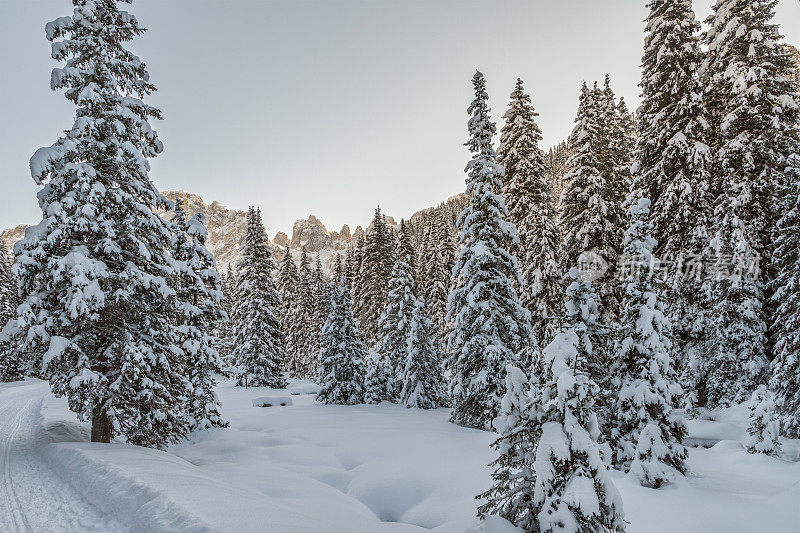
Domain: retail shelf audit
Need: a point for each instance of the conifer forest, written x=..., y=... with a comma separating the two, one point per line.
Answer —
x=595, y=334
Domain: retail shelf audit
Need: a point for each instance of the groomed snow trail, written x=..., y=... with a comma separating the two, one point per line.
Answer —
x=33, y=498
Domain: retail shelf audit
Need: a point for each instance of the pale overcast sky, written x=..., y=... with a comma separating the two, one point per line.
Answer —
x=327, y=107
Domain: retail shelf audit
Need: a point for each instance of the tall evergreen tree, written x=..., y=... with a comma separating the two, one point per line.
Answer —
x=785, y=376
x=199, y=294
x=556, y=159
x=586, y=214
x=322, y=303
x=11, y=358
x=99, y=309
x=304, y=365
x=573, y=490
x=354, y=268
x=529, y=202
x=341, y=356
x=423, y=383
x=754, y=111
x=617, y=141
x=647, y=433
x=436, y=260
x=12, y=365
x=588, y=206
x=339, y=270
x=395, y=320
x=374, y=275
x=258, y=333
x=9, y=299
x=519, y=426
x=489, y=325
x=289, y=291
x=672, y=169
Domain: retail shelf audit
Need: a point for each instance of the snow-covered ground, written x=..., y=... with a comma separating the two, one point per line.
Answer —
x=33, y=497
x=318, y=468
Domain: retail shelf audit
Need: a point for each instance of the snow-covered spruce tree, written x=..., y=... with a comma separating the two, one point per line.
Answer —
x=339, y=271
x=588, y=203
x=436, y=259
x=617, y=143
x=99, y=311
x=556, y=160
x=586, y=208
x=529, y=202
x=11, y=359
x=573, y=491
x=519, y=425
x=228, y=298
x=341, y=355
x=9, y=292
x=754, y=109
x=12, y=366
x=785, y=377
x=379, y=379
x=395, y=320
x=288, y=289
x=762, y=434
x=374, y=274
x=423, y=383
x=351, y=267
x=199, y=294
x=646, y=430
x=489, y=324
x=304, y=365
x=736, y=361
x=257, y=331
x=321, y=287
x=672, y=169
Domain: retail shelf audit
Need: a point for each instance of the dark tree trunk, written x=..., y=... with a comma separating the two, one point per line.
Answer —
x=702, y=393
x=101, y=426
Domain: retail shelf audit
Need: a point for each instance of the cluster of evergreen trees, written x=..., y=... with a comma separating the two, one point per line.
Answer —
x=687, y=218
x=326, y=331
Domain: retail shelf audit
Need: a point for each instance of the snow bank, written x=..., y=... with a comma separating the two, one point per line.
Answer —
x=272, y=401
x=114, y=488
x=707, y=433
x=151, y=490
x=304, y=388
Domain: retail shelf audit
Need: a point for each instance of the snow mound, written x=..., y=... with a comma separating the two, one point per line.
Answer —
x=707, y=433
x=304, y=388
x=390, y=492
x=272, y=401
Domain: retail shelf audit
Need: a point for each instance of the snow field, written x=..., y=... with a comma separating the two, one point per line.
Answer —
x=328, y=468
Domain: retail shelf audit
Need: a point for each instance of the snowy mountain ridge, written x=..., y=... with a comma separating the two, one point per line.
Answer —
x=226, y=229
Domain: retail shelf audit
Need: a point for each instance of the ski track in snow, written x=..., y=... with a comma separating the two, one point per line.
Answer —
x=33, y=498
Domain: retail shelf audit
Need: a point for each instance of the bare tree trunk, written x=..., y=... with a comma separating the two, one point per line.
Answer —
x=101, y=426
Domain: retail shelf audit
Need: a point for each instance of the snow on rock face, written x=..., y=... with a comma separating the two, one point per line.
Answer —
x=12, y=235
x=281, y=239
x=312, y=235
